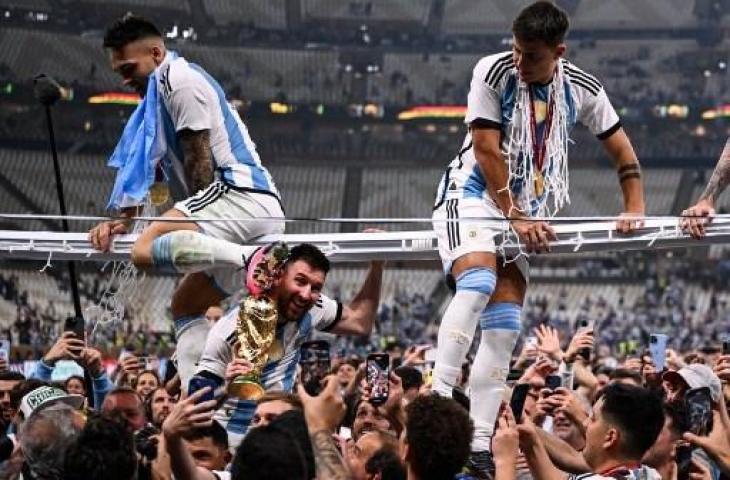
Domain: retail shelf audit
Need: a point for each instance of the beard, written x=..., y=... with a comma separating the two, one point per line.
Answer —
x=292, y=309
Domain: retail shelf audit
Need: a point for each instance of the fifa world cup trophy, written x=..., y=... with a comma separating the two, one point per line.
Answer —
x=257, y=319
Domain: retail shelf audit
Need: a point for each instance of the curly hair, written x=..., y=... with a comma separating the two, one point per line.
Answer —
x=438, y=432
x=104, y=449
x=387, y=464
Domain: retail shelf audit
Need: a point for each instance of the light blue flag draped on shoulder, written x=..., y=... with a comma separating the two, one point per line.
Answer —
x=141, y=147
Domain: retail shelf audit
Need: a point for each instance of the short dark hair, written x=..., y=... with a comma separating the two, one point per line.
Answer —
x=409, y=377
x=439, y=432
x=677, y=412
x=11, y=376
x=72, y=377
x=310, y=254
x=215, y=432
x=104, y=449
x=387, y=464
x=541, y=21
x=128, y=29
x=125, y=390
x=625, y=373
x=22, y=389
x=637, y=412
x=269, y=453
x=281, y=396
x=293, y=423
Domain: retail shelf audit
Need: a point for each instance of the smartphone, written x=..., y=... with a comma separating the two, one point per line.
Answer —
x=149, y=363
x=199, y=382
x=377, y=373
x=684, y=461
x=314, y=361
x=699, y=410
x=77, y=326
x=517, y=401
x=726, y=347
x=585, y=353
x=553, y=382
x=5, y=351
x=658, y=350
x=514, y=375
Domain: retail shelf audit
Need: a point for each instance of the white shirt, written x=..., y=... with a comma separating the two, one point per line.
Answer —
x=193, y=100
x=278, y=374
x=491, y=102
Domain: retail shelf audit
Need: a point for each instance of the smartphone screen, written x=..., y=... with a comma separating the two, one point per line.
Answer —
x=699, y=410
x=658, y=350
x=377, y=369
x=517, y=402
x=553, y=382
x=5, y=350
x=315, y=364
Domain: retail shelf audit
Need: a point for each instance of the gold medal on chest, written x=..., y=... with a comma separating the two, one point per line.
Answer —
x=539, y=184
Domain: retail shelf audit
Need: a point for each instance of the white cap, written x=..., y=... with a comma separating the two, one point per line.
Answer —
x=697, y=375
x=45, y=396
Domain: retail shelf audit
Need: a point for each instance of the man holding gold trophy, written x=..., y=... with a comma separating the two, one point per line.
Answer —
x=284, y=306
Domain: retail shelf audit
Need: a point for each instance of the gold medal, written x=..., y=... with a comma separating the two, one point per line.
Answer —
x=539, y=184
x=159, y=193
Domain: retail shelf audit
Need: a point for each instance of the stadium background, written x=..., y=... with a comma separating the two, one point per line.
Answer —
x=356, y=107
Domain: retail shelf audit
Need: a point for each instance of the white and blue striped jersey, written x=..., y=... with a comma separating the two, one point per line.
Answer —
x=280, y=371
x=193, y=100
x=492, y=96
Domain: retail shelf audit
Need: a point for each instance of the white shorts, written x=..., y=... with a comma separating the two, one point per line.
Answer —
x=456, y=239
x=223, y=202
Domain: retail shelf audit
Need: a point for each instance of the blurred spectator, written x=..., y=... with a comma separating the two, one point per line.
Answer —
x=104, y=449
x=437, y=437
x=126, y=403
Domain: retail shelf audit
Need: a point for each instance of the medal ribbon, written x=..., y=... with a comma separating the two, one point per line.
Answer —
x=539, y=149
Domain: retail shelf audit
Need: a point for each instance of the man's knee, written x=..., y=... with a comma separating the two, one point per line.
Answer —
x=141, y=253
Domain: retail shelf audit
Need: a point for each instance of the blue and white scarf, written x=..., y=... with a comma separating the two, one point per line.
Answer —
x=141, y=147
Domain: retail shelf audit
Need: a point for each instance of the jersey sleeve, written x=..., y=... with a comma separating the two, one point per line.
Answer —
x=218, y=351
x=598, y=114
x=483, y=103
x=326, y=313
x=188, y=100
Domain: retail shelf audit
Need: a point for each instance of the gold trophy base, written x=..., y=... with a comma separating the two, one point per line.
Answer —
x=246, y=387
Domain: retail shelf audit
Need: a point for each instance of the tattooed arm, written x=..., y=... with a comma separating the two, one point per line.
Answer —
x=700, y=214
x=323, y=414
x=198, y=159
x=720, y=176
x=327, y=459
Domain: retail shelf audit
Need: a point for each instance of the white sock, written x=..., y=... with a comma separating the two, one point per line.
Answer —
x=186, y=251
x=190, y=333
x=455, y=336
x=487, y=383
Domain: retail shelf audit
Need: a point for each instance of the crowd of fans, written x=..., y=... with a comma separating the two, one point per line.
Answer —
x=604, y=418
